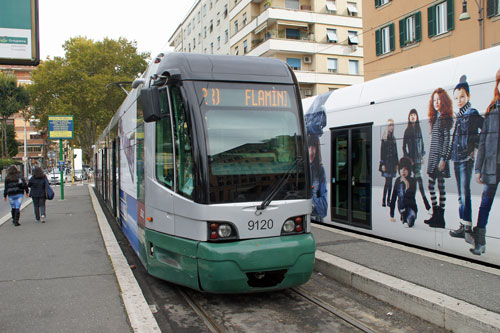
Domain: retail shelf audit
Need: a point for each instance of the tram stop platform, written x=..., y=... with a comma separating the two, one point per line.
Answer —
x=69, y=274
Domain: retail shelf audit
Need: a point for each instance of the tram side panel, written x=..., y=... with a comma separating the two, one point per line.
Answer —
x=398, y=112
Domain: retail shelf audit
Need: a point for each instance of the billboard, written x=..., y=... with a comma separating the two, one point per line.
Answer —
x=19, y=38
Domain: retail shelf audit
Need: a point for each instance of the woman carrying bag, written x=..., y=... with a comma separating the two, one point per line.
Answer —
x=38, y=185
x=15, y=186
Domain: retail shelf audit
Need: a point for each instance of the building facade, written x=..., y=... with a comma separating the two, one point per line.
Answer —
x=35, y=139
x=320, y=39
x=400, y=35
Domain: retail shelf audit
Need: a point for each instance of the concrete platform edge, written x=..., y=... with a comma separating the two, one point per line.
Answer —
x=439, y=309
x=140, y=316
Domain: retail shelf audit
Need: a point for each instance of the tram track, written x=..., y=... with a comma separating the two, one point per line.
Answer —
x=210, y=323
x=329, y=308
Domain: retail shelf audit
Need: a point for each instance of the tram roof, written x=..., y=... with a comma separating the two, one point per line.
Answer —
x=202, y=67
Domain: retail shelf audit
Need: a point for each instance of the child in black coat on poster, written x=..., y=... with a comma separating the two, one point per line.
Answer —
x=404, y=192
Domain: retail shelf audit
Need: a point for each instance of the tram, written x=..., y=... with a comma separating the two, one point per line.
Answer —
x=205, y=167
x=413, y=157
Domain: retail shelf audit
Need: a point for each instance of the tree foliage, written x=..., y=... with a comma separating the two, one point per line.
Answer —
x=80, y=85
x=13, y=98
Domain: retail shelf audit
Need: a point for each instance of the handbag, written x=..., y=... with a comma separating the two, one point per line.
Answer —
x=49, y=192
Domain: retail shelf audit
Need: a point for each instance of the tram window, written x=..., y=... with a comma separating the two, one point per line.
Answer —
x=164, y=151
x=183, y=147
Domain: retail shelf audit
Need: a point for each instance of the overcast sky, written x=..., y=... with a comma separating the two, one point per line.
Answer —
x=149, y=22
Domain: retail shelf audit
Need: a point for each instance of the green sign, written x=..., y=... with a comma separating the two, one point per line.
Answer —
x=60, y=127
x=19, y=40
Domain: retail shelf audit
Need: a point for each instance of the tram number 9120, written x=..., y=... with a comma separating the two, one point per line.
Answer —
x=260, y=225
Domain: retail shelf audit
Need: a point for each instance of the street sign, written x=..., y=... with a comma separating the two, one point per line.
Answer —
x=60, y=127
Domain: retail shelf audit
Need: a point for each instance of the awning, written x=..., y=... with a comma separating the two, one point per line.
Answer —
x=331, y=35
x=351, y=7
x=353, y=38
x=294, y=24
x=260, y=28
x=330, y=5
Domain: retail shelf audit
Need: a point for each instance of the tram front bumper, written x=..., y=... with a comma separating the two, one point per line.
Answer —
x=262, y=264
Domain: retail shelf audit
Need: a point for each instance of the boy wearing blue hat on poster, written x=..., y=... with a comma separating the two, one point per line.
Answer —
x=465, y=141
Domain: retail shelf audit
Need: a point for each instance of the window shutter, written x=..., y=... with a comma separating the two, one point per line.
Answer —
x=431, y=21
x=490, y=8
x=378, y=41
x=451, y=14
x=377, y=3
x=402, y=32
x=391, y=37
x=418, y=27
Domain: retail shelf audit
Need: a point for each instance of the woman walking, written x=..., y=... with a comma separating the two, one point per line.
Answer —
x=38, y=186
x=15, y=186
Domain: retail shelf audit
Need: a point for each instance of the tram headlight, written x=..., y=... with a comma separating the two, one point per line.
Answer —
x=289, y=226
x=224, y=231
x=221, y=231
x=293, y=225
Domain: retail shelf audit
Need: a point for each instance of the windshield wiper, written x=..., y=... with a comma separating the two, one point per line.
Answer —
x=279, y=185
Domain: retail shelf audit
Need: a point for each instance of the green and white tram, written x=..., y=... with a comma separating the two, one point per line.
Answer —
x=205, y=166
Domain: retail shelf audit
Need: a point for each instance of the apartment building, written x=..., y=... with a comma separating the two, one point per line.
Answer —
x=35, y=142
x=400, y=35
x=320, y=39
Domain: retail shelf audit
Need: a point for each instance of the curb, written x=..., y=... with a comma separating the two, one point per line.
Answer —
x=442, y=310
x=140, y=316
x=8, y=217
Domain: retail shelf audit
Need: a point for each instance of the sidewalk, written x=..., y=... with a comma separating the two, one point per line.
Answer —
x=69, y=275
x=56, y=276
x=455, y=294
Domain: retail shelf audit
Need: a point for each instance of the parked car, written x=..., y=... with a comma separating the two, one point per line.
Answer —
x=80, y=175
x=54, y=177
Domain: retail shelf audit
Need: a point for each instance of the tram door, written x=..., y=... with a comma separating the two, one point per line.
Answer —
x=114, y=174
x=351, y=175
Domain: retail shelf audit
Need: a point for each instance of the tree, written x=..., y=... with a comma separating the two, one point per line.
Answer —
x=13, y=98
x=79, y=85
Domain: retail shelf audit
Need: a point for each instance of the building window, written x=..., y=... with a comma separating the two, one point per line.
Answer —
x=205, y=29
x=218, y=42
x=331, y=6
x=294, y=63
x=292, y=4
x=410, y=29
x=211, y=28
x=225, y=11
x=440, y=18
x=352, y=8
x=205, y=10
x=332, y=65
x=379, y=3
x=331, y=35
x=353, y=67
x=194, y=43
x=292, y=33
x=245, y=46
x=236, y=26
x=199, y=17
x=236, y=51
x=353, y=37
x=493, y=8
x=212, y=48
x=226, y=38
x=384, y=39
x=244, y=19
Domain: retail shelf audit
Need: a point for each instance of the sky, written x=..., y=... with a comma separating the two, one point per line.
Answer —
x=149, y=22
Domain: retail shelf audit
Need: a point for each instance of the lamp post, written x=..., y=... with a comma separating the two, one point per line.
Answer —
x=465, y=16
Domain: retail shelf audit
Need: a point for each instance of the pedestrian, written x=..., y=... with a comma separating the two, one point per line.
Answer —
x=38, y=186
x=438, y=167
x=14, y=188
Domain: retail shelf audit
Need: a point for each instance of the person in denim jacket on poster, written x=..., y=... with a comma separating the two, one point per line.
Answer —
x=319, y=201
x=487, y=167
x=465, y=140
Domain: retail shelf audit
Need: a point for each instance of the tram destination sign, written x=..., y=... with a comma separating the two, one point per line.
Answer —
x=60, y=127
x=249, y=97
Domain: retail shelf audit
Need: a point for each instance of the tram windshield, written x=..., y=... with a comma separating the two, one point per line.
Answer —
x=253, y=138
